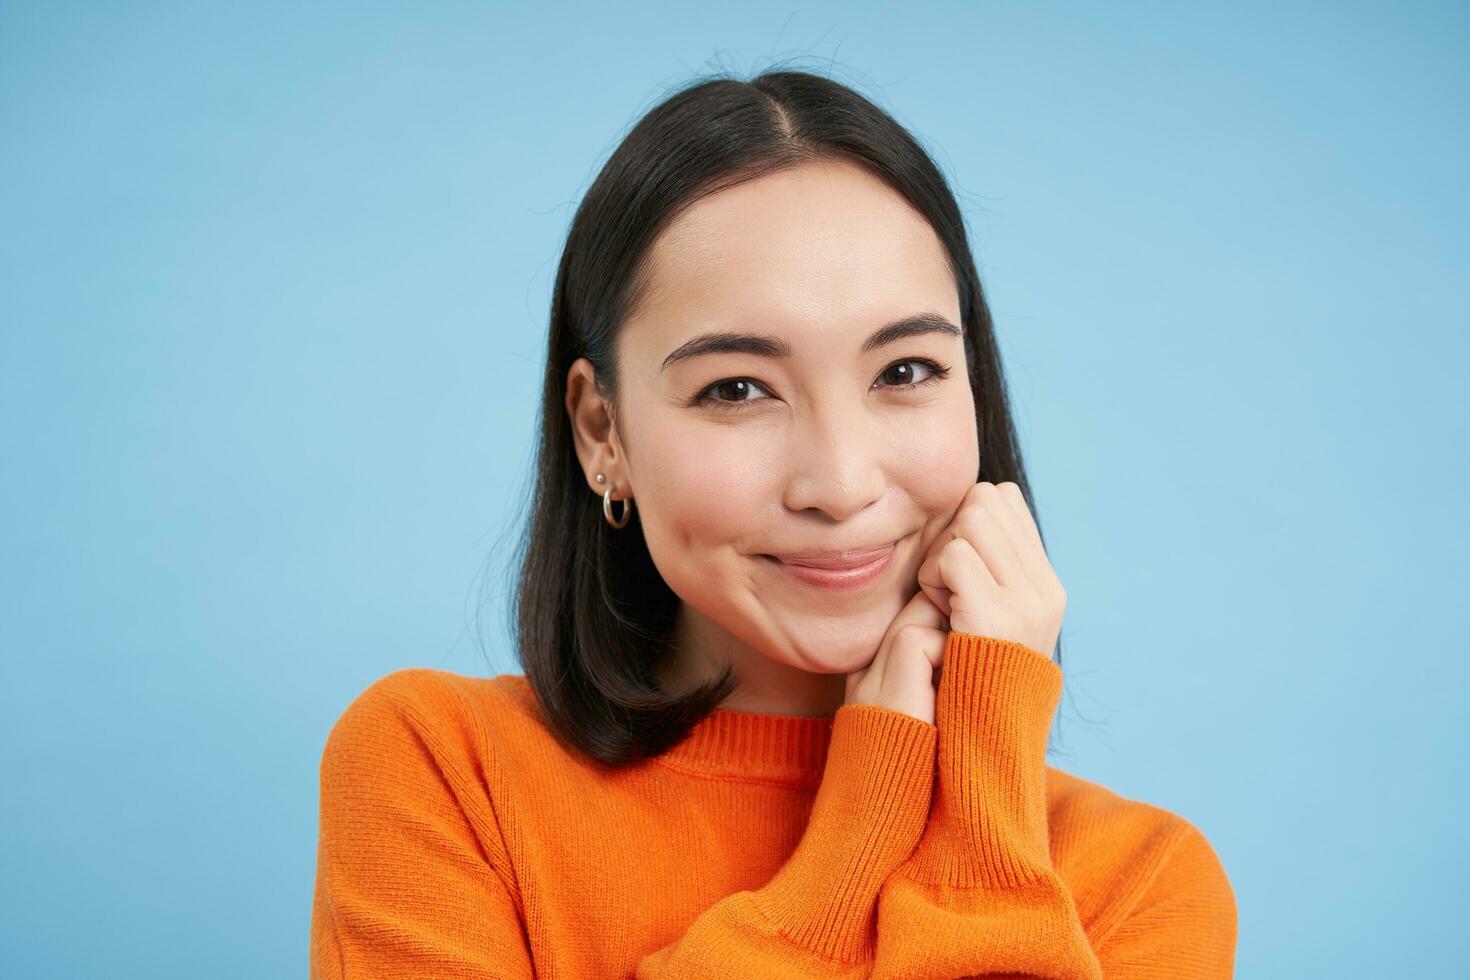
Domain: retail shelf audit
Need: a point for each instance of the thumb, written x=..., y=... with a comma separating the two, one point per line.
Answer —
x=931, y=584
x=919, y=609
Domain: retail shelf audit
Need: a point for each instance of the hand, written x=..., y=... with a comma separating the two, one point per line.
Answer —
x=989, y=574
x=901, y=675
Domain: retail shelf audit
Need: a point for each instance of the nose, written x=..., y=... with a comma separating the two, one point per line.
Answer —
x=835, y=463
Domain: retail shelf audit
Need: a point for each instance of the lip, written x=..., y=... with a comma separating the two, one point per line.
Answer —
x=839, y=571
x=852, y=558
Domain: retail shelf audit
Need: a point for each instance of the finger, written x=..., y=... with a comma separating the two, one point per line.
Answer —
x=918, y=611
x=909, y=683
x=932, y=585
x=932, y=580
x=974, y=588
x=999, y=504
x=924, y=643
x=1033, y=549
x=985, y=525
x=925, y=613
x=1030, y=534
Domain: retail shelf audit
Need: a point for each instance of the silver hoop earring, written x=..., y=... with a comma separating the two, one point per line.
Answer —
x=607, y=509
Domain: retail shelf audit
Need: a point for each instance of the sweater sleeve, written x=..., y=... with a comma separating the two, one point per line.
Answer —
x=412, y=878
x=980, y=896
x=817, y=915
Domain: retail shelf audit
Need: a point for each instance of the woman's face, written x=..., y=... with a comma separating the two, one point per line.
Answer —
x=808, y=440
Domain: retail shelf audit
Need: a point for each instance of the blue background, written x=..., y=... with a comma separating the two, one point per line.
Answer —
x=274, y=289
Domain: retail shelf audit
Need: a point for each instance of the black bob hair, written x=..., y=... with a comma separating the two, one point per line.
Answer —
x=592, y=617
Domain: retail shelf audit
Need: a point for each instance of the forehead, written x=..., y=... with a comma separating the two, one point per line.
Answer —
x=806, y=251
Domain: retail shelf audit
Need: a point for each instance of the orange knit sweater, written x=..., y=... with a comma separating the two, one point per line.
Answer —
x=459, y=839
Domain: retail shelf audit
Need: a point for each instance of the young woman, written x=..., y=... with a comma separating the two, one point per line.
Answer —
x=789, y=716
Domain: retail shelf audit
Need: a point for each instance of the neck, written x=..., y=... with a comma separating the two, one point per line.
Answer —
x=703, y=648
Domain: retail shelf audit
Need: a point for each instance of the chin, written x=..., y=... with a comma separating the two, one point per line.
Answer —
x=842, y=657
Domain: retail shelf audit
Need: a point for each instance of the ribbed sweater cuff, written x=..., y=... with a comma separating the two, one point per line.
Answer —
x=993, y=710
x=868, y=815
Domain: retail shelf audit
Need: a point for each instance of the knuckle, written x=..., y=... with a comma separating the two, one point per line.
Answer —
x=910, y=636
x=916, y=646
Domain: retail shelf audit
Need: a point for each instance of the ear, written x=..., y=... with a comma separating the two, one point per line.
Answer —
x=594, y=433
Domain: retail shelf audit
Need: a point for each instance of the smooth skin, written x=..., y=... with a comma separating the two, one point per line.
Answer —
x=732, y=456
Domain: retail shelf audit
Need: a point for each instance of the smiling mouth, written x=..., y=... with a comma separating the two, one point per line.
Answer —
x=854, y=571
x=836, y=560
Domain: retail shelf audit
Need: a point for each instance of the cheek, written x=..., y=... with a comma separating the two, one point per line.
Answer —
x=946, y=451
x=701, y=494
x=702, y=498
x=941, y=462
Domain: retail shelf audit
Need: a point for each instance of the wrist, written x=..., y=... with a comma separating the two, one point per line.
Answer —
x=868, y=816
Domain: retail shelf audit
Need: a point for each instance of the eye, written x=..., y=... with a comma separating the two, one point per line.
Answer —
x=735, y=386
x=901, y=374
x=904, y=382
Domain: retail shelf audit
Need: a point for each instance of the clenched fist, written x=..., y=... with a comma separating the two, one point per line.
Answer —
x=987, y=574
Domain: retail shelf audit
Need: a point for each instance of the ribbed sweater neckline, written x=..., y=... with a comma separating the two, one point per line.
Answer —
x=736, y=745
x=754, y=745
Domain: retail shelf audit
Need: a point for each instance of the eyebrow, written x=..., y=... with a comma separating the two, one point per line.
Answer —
x=725, y=342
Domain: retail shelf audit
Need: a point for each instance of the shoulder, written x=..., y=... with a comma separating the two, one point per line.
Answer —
x=1131, y=862
x=441, y=693
x=1080, y=811
x=451, y=717
x=412, y=760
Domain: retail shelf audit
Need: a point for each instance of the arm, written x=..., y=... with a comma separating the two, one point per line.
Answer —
x=412, y=878
x=816, y=917
x=1184, y=925
x=980, y=895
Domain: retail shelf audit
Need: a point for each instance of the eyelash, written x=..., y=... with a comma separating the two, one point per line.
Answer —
x=937, y=373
